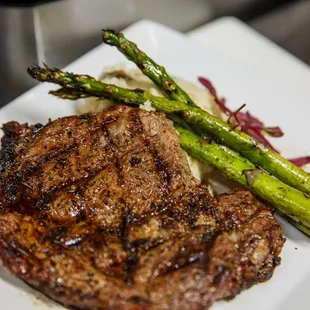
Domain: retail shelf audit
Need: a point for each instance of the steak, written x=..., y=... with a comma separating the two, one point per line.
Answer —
x=101, y=211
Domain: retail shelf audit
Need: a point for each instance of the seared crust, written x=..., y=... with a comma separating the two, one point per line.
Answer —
x=100, y=211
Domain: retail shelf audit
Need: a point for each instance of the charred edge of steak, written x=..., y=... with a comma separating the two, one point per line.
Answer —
x=12, y=131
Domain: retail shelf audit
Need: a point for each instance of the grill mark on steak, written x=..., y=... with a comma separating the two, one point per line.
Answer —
x=159, y=162
x=132, y=258
x=122, y=238
x=30, y=195
x=189, y=255
x=135, y=128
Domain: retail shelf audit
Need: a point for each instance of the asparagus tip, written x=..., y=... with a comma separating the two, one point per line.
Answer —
x=111, y=36
x=34, y=71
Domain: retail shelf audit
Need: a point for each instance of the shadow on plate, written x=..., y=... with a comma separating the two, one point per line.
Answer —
x=292, y=233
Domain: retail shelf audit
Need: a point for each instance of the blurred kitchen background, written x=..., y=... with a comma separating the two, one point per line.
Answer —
x=60, y=31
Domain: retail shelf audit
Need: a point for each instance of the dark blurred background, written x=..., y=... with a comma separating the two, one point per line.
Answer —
x=60, y=31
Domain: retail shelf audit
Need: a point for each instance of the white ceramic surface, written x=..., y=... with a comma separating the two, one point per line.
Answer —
x=277, y=98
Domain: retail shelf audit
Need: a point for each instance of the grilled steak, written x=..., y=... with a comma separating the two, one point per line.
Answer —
x=101, y=211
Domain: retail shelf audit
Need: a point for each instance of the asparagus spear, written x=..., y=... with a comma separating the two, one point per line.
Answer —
x=150, y=68
x=82, y=86
x=286, y=199
x=200, y=120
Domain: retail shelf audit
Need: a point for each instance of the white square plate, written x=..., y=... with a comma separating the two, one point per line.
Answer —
x=274, y=98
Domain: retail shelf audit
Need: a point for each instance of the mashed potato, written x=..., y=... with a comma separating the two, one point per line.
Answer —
x=133, y=78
